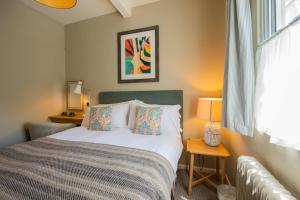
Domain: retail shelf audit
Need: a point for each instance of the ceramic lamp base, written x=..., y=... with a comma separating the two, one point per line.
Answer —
x=212, y=134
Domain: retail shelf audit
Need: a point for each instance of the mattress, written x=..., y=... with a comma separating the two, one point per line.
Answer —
x=167, y=145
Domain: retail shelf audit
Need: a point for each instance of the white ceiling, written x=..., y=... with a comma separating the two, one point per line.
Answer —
x=86, y=9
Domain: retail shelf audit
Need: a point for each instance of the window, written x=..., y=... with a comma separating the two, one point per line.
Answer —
x=277, y=98
x=277, y=14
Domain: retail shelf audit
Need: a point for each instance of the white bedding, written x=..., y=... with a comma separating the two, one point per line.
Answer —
x=168, y=145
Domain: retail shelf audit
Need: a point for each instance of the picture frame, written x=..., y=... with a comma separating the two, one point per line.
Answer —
x=138, y=55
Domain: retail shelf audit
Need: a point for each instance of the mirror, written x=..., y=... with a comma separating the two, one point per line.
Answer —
x=75, y=95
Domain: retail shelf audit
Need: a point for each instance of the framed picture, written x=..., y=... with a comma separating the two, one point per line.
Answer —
x=138, y=55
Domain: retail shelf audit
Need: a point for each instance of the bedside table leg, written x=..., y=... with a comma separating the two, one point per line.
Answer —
x=222, y=170
x=218, y=168
x=191, y=174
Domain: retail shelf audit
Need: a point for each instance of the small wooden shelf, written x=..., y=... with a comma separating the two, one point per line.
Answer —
x=198, y=147
x=77, y=119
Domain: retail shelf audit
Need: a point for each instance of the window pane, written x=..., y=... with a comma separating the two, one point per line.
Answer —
x=292, y=10
x=287, y=11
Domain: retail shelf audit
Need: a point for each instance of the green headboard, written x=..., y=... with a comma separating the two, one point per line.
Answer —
x=164, y=97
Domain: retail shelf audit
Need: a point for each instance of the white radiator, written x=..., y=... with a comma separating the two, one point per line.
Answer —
x=254, y=182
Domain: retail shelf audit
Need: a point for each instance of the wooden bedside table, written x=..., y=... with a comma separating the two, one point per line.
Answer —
x=77, y=119
x=197, y=146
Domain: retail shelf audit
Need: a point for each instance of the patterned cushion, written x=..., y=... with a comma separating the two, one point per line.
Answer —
x=100, y=118
x=148, y=120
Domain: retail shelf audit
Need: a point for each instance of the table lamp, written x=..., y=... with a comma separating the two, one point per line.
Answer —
x=210, y=109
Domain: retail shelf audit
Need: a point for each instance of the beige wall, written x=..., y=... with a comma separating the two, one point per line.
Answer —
x=32, y=69
x=192, y=38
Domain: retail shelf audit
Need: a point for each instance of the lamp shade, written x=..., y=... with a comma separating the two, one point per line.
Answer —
x=210, y=109
x=63, y=4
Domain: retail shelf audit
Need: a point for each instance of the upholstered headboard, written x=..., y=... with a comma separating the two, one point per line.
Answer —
x=164, y=97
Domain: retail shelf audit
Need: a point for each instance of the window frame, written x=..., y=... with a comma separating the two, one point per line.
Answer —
x=268, y=24
x=267, y=11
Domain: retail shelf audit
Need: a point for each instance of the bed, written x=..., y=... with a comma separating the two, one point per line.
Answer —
x=84, y=164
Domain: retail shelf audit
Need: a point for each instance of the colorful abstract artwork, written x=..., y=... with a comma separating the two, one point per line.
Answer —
x=138, y=55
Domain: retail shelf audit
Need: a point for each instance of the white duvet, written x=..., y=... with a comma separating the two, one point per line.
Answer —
x=168, y=145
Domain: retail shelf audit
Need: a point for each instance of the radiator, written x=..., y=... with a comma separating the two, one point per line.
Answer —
x=254, y=182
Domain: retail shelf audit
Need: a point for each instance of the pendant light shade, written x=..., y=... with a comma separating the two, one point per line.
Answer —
x=62, y=4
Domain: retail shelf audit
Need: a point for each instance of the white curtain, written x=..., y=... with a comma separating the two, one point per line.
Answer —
x=238, y=89
x=277, y=98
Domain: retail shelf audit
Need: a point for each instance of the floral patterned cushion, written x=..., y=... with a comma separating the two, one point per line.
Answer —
x=100, y=118
x=148, y=120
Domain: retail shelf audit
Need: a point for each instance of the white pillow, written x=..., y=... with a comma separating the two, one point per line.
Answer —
x=86, y=118
x=132, y=112
x=170, y=120
x=119, y=114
